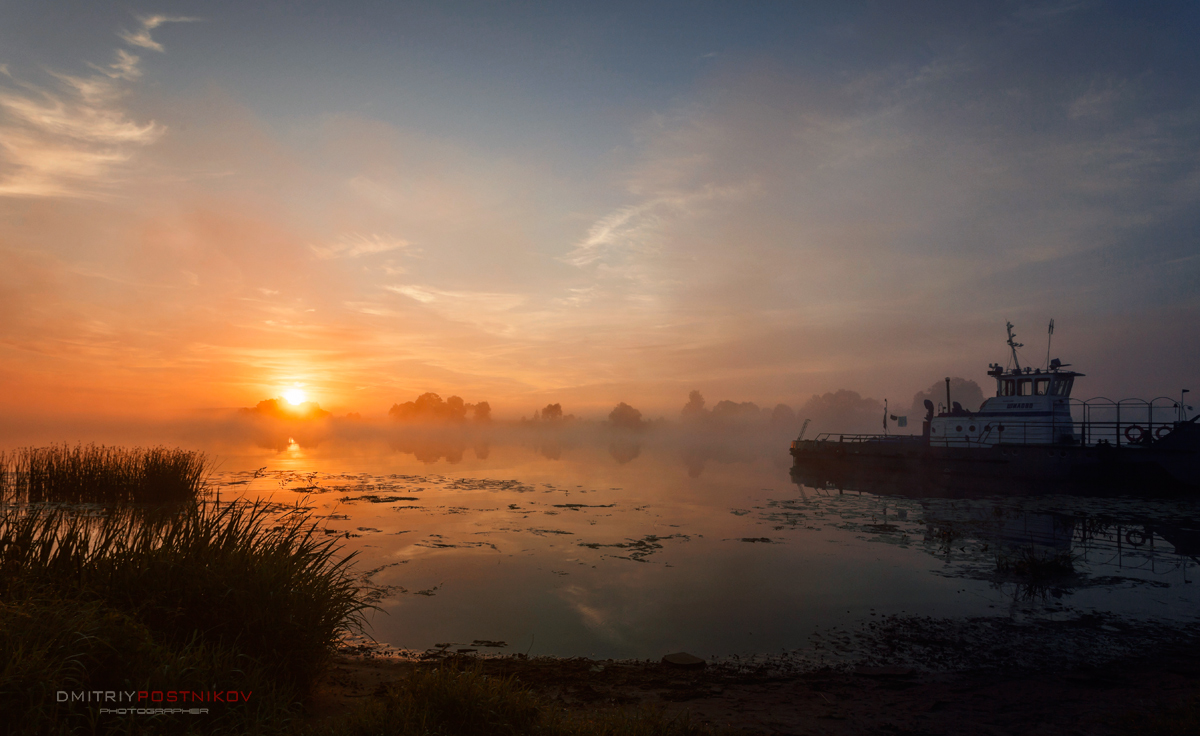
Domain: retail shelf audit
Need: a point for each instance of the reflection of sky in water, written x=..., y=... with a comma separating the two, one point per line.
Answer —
x=599, y=554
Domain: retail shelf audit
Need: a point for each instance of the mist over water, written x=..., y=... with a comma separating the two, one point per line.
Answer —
x=590, y=541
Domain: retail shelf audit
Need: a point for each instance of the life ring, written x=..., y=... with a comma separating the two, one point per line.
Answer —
x=1161, y=432
x=1129, y=433
x=1141, y=537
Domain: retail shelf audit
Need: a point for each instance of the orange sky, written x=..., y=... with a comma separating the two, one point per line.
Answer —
x=763, y=229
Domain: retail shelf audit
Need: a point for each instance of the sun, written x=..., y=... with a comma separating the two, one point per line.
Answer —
x=294, y=396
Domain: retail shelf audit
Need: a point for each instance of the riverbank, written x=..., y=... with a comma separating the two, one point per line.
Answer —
x=905, y=675
x=1126, y=696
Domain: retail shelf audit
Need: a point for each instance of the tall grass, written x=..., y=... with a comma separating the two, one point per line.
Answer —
x=91, y=473
x=236, y=584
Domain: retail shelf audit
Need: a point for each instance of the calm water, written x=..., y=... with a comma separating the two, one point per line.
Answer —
x=635, y=550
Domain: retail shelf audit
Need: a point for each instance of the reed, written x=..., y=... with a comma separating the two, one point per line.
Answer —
x=237, y=584
x=95, y=473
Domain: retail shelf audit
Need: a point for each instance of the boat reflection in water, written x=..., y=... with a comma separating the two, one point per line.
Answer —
x=1035, y=540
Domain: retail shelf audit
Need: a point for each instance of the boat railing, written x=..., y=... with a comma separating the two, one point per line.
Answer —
x=1124, y=422
x=1134, y=423
x=1094, y=422
x=847, y=437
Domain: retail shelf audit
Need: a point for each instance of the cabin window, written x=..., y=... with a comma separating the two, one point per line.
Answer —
x=1025, y=387
x=1041, y=386
x=1062, y=386
x=1008, y=387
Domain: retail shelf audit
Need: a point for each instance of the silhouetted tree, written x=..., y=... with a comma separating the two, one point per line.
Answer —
x=783, y=417
x=844, y=411
x=625, y=416
x=483, y=412
x=732, y=413
x=281, y=409
x=429, y=407
x=693, y=410
x=552, y=413
x=962, y=390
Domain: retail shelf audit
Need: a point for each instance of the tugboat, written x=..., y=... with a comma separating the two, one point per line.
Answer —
x=1031, y=435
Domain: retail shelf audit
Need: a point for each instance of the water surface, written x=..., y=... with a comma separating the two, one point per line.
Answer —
x=631, y=551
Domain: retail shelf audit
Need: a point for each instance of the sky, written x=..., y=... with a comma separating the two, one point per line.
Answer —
x=203, y=205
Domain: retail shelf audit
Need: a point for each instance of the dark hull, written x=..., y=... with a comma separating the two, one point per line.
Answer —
x=912, y=464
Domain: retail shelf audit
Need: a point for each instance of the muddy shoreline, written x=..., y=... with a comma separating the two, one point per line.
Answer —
x=1088, y=675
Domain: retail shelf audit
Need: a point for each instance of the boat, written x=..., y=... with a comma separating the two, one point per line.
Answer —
x=1031, y=435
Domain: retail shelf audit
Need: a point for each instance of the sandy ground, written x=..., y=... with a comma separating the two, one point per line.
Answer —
x=1086, y=699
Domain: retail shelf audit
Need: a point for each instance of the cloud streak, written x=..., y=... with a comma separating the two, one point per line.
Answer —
x=73, y=138
x=355, y=245
x=141, y=35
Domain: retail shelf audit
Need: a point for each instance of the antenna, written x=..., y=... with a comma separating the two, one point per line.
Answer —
x=1012, y=344
x=1049, y=337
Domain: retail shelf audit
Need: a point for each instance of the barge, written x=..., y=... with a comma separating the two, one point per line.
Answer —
x=1031, y=434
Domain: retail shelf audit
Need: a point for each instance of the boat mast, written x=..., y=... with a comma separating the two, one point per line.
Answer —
x=1013, y=345
x=1049, y=338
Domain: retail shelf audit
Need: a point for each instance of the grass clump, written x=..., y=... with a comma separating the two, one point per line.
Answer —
x=450, y=702
x=213, y=597
x=92, y=473
x=48, y=646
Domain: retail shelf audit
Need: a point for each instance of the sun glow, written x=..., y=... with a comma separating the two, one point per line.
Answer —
x=294, y=396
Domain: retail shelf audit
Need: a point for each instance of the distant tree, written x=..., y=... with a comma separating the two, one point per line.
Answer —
x=625, y=416
x=279, y=408
x=782, y=417
x=963, y=391
x=694, y=409
x=552, y=413
x=483, y=412
x=429, y=403
x=843, y=411
x=732, y=413
x=429, y=407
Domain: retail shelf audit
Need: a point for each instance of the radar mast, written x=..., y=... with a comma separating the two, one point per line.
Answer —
x=1013, y=344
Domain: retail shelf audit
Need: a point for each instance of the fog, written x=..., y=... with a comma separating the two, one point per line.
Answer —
x=445, y=432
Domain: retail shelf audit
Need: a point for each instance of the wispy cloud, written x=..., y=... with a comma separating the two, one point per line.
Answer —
x=633, y=229
x=354, y=245
x=125, y=66
x=85, y=110
x=629, y=227
x=141, y=35
x=72, y=137
x=66, y=142
x=466, y=300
